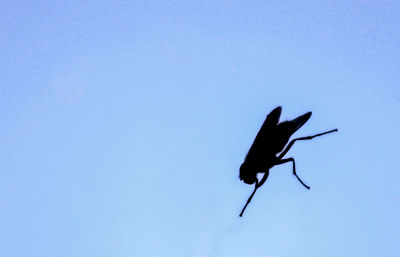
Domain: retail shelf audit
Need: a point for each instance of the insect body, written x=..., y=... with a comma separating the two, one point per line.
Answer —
x=269, y=142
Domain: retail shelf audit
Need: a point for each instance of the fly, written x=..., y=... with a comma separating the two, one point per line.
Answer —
x=271, y=140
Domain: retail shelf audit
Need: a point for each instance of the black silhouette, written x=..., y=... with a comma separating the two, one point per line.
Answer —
x=271, y=140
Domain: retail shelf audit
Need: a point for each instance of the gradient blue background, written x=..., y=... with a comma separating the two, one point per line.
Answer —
x=123, y=125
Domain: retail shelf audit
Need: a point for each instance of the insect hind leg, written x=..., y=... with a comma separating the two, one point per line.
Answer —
x=294, y=170
x=303, y=138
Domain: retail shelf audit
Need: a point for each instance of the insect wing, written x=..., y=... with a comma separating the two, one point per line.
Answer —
x=300, y=121
x=265, y=134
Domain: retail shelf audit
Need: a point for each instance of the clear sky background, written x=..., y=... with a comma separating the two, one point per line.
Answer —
x=123, y=126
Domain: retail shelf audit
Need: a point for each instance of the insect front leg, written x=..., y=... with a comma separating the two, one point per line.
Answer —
x=294, y=170
x=262, y=181
x=302, y=138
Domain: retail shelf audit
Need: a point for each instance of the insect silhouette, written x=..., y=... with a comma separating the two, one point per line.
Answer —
x=269, y=142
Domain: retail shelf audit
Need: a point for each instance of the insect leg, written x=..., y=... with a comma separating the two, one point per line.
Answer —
x=262, y=181
x=302, y=138
x=294, y=170
x=251, y=197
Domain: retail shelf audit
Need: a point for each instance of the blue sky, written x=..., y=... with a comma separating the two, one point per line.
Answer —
x=123, y=125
